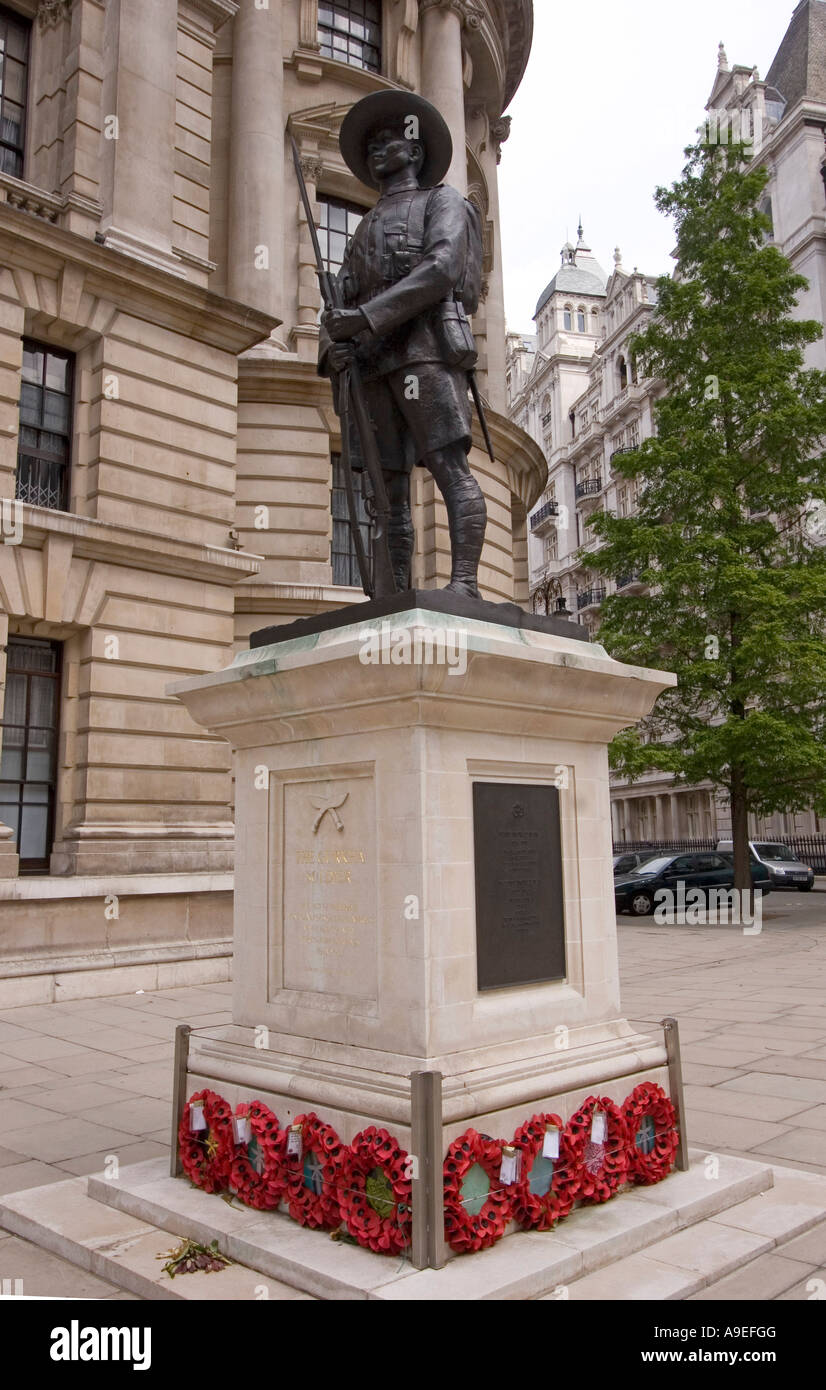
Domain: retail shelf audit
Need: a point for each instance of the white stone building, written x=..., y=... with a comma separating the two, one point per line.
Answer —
x=167, y=450
x=577, y=391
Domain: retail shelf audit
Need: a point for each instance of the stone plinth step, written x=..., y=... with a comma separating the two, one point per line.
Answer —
x=683, y=1265
x=62, y=1218
x=667, y=1241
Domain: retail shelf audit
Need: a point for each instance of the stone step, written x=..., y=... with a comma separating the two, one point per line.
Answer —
x=117, y=1228
x=683, y=1265
x=522, y=1266
x=62, y=1218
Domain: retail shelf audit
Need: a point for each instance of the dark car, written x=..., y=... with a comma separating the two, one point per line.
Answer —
x=635, y=892
x=630, y=860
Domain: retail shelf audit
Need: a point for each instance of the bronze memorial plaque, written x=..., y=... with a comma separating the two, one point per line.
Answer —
x=520, y=918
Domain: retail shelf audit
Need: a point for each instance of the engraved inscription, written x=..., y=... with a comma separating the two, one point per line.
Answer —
x=330, y=926
x=520, y=925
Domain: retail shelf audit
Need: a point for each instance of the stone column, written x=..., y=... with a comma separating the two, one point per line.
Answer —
x=676, y=830
x=256, y=182
x=659, y=818
x=138, y=164
x=443, y=75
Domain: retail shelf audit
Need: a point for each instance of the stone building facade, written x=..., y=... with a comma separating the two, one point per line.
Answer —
x=573, y=384
x=167, y=449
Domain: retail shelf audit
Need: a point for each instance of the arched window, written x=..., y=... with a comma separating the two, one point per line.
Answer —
x=623, y=373
x=568, y=317
x=580, y=320
x=594, y=320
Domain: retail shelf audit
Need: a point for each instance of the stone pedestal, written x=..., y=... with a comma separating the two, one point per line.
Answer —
x=355, y=915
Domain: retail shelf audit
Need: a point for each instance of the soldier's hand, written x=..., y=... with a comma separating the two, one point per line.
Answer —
x=343, y=324
x=340, y=355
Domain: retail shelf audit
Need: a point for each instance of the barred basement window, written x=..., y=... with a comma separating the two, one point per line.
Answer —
x=338, y=222
x=344, y=562
x=45, y=441
x=28, y=766
x=14, y=71
x=350, y=31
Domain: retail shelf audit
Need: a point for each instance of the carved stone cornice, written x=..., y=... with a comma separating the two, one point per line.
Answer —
x=500, y=132
x=468, y=13
x=53, y=12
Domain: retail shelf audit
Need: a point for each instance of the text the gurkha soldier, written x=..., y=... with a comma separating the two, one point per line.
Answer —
x=412, y=266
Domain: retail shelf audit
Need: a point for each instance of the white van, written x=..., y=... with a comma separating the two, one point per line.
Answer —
x=786, y=870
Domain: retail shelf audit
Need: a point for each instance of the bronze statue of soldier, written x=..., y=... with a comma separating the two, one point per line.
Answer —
x=410, y=273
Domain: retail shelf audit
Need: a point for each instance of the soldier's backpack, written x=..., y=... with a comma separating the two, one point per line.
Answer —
x=469, y=290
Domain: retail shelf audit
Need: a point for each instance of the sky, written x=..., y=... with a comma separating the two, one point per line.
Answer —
x=611, y=97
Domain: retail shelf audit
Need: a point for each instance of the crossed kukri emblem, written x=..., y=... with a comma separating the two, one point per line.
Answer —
x=328, y=805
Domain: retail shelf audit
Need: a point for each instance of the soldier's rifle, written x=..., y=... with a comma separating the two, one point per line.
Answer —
x=382, y=582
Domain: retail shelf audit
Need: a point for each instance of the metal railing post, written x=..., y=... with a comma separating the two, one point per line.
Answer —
x=182, y=1033
x=428, y=1250
x=675, y=1076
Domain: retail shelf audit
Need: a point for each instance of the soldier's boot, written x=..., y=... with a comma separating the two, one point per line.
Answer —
x=466, y=516
x=400, y=533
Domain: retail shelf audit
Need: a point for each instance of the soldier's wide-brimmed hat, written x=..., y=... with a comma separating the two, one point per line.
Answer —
x=389, y=108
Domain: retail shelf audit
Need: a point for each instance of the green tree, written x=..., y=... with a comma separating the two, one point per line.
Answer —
x=731, y=528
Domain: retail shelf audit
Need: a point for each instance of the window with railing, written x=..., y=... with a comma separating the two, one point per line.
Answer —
x=343, y=549
x=14, y=70
x=350, y=32
x=28, y=766
x=44, y=445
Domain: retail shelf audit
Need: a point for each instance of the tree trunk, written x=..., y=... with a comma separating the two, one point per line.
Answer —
x=740, y=840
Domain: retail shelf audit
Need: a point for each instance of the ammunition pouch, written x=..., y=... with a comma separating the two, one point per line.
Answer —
x=454, y=336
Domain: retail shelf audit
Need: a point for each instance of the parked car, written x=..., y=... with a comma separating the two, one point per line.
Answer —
x=630, y=860
x=785, y=869
x=706, y=869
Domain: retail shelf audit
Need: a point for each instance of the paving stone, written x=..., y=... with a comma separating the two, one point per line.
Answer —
x=13, y=1032
x=18, y=1114
x=23, y=1076
x=795, y=1066
x=770, y=1084
x=701, y=1074
x=76, y=1099
x=156, y=1053
x=720, y=1102
x=130, y=1153
x=708, y=1247
x=810, y=1248
x=47, y=1276
x=64, y=1137
x=806, y=1145
x=133, y=1116
x=16, y=1177
x=8, y=1156
x=812, y=1119
x=734, y=1056
x=81, y=1064
x=730, y=1131
x=37, y=1048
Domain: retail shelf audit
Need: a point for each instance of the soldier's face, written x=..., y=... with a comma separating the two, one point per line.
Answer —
x=389, y=152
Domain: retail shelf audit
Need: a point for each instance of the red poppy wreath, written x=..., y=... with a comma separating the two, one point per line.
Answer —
x=207, y=1154
x=547, y=1187
x=601, y=1165
x=313, y=1175
x=375, y=1192
x=651, y=1121
x=475, y=1214
x=257, y=1173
